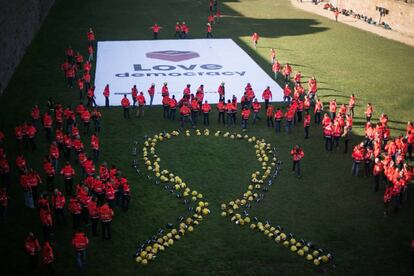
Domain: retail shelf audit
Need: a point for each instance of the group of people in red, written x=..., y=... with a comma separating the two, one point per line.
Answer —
x=182, y=30
x=98, y=190
x=386, y=158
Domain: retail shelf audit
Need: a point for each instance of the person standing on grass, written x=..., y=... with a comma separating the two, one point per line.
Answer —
x=269, y=115
x=105, y=216
x=272, y=55
x=336, y=12
x=185, y=115
x=48, y=257
x=255, y=39
x=151, y=93
x=267, y=96
x=276, y=68
x=209, y=30
x=306, y=124
x=368, y=112
x=80, y=243
x=125, y=106
x=245, y=114
x=172, y=107
x=206, y=108
x=297, y=155
x=141, y=104
x=177, y=30
x=358, y=156
x=33, y=248
x=155, y=30
x=91, y=37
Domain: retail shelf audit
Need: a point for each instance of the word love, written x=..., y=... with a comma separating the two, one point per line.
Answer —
x=237, y=210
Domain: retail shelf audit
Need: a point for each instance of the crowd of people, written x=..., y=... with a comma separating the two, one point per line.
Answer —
x=91, y=190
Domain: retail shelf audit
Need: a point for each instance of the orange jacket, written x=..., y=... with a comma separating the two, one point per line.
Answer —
x=125, y=103
x=105, y=213
x=80, y=242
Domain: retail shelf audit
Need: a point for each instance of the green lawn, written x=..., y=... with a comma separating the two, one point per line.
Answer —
x=338, y=212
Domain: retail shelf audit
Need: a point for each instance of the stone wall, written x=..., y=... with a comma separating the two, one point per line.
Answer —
x=400, y=16
x=19, y=22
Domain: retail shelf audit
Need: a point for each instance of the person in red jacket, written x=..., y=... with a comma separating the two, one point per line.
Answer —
x=185, y=112
x=4, y=203
x=184, y=30
x=269, y=115
x=276, y=68
x=286, y=93
x=68, y=173
x=125, y=106
x=75, y=208
x=278, y=119
x=255, y=39
x=172, y=107
x=105, y=216
x=80, y=243
x=377, y=171
x=47, y=222
x=267, y=96
x=48, y=257
x=151, y=93
x=58, y=204
x=245, y=114
x=209, y=31
x=93, y=212
x=368, y=112
x=90, y=36
x=141, y=104
x=297, y=154
x=256, y=109
x=155, y=30
x=106, y=93
x=306, y=124
x=206, y=108
x=328, y=131
x=166, y=106
x=33, y=248
x=177, y=30
x=358, y=156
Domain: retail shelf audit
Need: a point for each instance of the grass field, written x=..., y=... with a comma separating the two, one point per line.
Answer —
x=338, y=212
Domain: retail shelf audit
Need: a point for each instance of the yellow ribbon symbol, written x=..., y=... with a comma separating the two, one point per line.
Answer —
x=236, y=209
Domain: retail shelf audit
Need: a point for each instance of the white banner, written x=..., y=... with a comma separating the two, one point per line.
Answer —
x=122, y=64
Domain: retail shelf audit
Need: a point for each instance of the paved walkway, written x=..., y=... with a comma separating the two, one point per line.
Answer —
x=390, y=34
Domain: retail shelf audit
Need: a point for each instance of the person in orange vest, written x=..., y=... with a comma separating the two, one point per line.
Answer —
x=75, y=209
x=185, y=115
x=125, y=106
x=106, y=94
x=306, y=124
x=48, y=257
x=317, y=111
x=289, y=116
x=358, y=156
x=151, y=93
x=351, y=105
x=287, y=70
x=68, y=173
x=272, y=55
x=105, y=216
x=286, y=93
x=256, y=109
x=177, y=30
x=91, y=97
x=155, y=30
x=221, y=109
x=221, y=91
x=33, y=248
x=377, y=171
x=267, y=96
x=346, y=135
x=210, y=18
x=206, y=108
x=96, y=118
x=336, y=12
x=278, y=119
x=70, y=75
x=80, y=243
x=126, y=195
x=245, y=114
x=134, y=95
x=58, y=204
x=172, y=107
x=86, y=119
x=184, y=30
x=368, y=112
x=332, y=109
x=269, y=115
x=255, y=39
x=47, y=222
x=141, y=104
x=90, y=53
x=166, y=106
x=4, y=202
x=328, y=134
x=297, y=154
x=276, y=68
x=95, y=146
x=229, y=113
x=47, y=124
x=91, y=37
x=209, y=31
x=93, y=212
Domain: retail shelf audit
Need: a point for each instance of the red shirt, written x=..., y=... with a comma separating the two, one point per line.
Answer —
x=125, y=102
